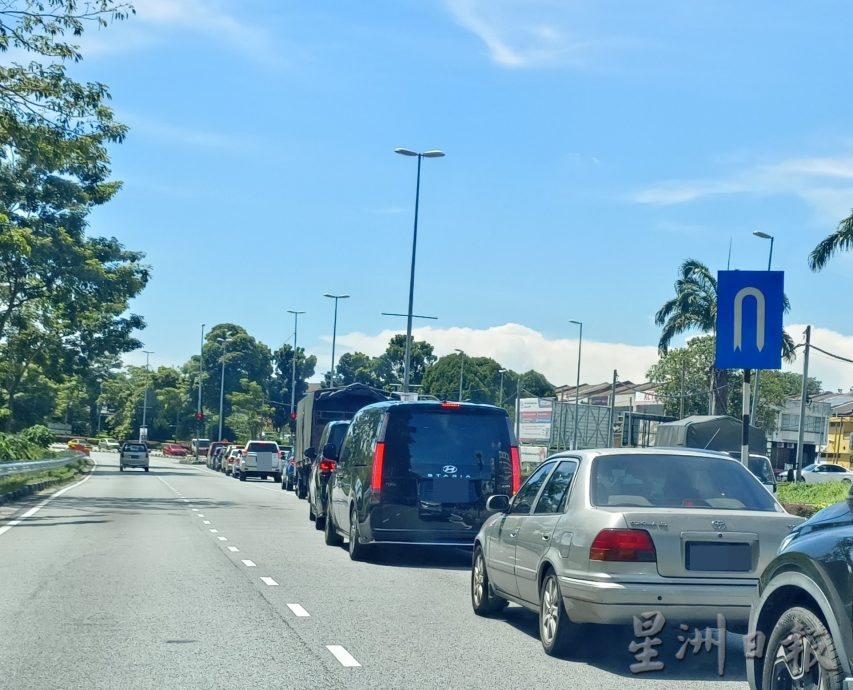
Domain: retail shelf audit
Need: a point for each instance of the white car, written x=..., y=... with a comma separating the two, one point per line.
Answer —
x=133, y=455
x=108, y=444
x=826, y=472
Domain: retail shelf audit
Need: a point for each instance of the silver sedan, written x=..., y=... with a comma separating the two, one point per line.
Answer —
x=601, y=536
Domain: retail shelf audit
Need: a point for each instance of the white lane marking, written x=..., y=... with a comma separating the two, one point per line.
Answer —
x=205, y=522
x=199, y=515
x=195, y=510
x=32, y=511
x=298, y=610
x=233, y=549
x=222, y=538
x=214, y=531
x=248, y=563
x=269, y=581
x=342, y=655
x=185, y=500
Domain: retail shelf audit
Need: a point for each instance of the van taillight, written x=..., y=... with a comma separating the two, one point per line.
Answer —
x=376, y=479
x=327, y=465
x=450, y=405
x=516, y=469
x=634, y=545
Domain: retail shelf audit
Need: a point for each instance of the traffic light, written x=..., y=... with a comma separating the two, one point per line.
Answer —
x=292, y=423
x=199, y=416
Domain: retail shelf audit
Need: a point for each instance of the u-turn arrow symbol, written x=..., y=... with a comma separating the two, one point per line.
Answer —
x=759, y=317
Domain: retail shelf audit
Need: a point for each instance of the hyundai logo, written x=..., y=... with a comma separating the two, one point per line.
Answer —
x=450, y=469
x=718, y=524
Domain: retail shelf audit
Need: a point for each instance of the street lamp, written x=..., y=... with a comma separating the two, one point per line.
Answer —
x=334, y=331
x=461, y=370
x=408, y=316
x=293, y=372
x=198, y=416
x=148, y=353
x=763, y=236
x=426, y=154
x=501, y=394
x=577, y=385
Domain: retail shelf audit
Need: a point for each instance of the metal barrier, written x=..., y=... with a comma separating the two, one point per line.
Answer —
x=33, y=466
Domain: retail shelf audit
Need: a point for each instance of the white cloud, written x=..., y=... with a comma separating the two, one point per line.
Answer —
x=519, y=348
x=825, y=183
x=209, y=17
x=520, y=34
x=833, y=373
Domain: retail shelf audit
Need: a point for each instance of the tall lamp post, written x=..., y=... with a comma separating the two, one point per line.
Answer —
x=434, y=153
x=409, y=316
x=199, y=416
x=293, y=371
x=763, y=236
x=334, y=332
x=577, y=386
x=148, y=353
x=461, y=370
x=222, y=389
x=501, y=394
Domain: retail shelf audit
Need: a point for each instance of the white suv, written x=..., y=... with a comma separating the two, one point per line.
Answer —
x=133, y=455
x=258, y=459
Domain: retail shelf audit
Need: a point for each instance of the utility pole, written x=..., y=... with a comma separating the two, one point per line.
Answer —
x=744, y=441
x=681, y=402
x=148, y=353
x=293, y=371
x=804, y=391
x=518, y=409
x=199, y=415
x=612, y=409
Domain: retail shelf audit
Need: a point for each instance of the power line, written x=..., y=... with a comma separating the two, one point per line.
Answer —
x=830, y=354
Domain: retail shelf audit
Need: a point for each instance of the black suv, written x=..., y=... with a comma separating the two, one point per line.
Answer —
x=803, y=607
x=419, y=473
x=322, y=467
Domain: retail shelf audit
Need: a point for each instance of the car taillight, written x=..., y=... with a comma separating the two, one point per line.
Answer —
x=327, y=465
x=515, y=461
x=450, y=405
x=634, y=545
x=376, y=478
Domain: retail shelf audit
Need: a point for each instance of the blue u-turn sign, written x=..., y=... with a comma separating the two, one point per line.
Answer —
x=749, y=319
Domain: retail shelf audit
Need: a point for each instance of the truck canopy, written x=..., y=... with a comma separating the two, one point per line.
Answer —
x=717, y=432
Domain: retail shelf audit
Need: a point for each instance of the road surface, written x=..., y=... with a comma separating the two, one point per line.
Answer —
x=183, y=578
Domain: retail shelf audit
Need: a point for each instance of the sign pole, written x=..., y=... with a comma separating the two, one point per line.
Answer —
x=744, y=443
x=801, y=427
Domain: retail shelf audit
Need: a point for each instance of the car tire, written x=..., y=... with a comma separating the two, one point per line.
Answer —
x=283, y=485
x=555, y=628
x=777, y=673
x=319, y=522
x=263, y=476
x=277, y=477
x=357, y=550
x=311, y=516
x=483, y=600
x=121, y=468
x=330, y=534
x=242, y=476
x=146, y=469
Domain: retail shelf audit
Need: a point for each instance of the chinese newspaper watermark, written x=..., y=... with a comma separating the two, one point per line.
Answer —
x=802, y=648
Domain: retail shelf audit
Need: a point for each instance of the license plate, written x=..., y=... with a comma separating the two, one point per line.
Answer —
x=450, y=491
x=717, y=557
x=134, y=457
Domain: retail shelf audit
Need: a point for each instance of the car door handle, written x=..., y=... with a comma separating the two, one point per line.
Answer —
x=546, y=537
x=512, y=535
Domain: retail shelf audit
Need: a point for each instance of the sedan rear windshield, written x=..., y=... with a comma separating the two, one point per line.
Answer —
x=135, y=448
x=435, y=442
x=676, y=481
x=262, y=448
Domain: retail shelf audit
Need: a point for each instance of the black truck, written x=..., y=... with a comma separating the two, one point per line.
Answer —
x=314, y=411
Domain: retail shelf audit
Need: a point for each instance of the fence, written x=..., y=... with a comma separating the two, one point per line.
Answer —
x=33, y=466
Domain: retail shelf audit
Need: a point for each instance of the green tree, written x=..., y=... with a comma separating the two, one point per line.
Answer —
x=354, y=367
x=839, y=241
x=283, y=365
x=390, y=366
x=694, y=308
x=37, y=90
x=249, y=411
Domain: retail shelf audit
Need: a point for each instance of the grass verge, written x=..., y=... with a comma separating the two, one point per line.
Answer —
x=807, y=499
x=67, y=473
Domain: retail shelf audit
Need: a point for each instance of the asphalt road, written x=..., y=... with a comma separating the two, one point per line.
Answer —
x=183, y=578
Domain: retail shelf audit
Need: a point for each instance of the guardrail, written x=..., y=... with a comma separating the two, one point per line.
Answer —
x=33, y=466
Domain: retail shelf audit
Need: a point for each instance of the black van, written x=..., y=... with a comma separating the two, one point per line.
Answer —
x=420, y=473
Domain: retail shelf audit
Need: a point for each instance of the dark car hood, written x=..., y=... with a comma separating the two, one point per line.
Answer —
x=836, y=515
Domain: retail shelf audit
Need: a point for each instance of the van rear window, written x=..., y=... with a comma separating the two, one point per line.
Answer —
x=262, y=448
x=456, y=443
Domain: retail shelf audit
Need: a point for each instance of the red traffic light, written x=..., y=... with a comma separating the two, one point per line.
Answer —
x=199, y=416
x=293, y=416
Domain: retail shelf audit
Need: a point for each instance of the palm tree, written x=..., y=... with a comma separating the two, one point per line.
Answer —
x=840, y=240
x=694, y=308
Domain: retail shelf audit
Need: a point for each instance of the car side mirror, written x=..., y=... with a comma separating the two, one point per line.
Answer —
x=310, y=453
x=499, y=503
x=330, y=451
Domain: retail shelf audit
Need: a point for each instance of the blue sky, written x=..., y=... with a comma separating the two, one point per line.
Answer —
x=591, y=147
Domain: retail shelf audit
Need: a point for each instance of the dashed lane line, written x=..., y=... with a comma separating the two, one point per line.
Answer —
x=248, y=563
x=214, y=531
x=298, y=610
x=342, y=655
x=233, y=549
x=269, y=581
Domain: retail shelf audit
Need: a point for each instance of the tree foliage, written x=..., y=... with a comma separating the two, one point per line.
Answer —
x=839, y=241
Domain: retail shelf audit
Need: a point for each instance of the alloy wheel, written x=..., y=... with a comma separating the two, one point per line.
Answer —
x=479, y=579
x=550, y=609
x=789, y=674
